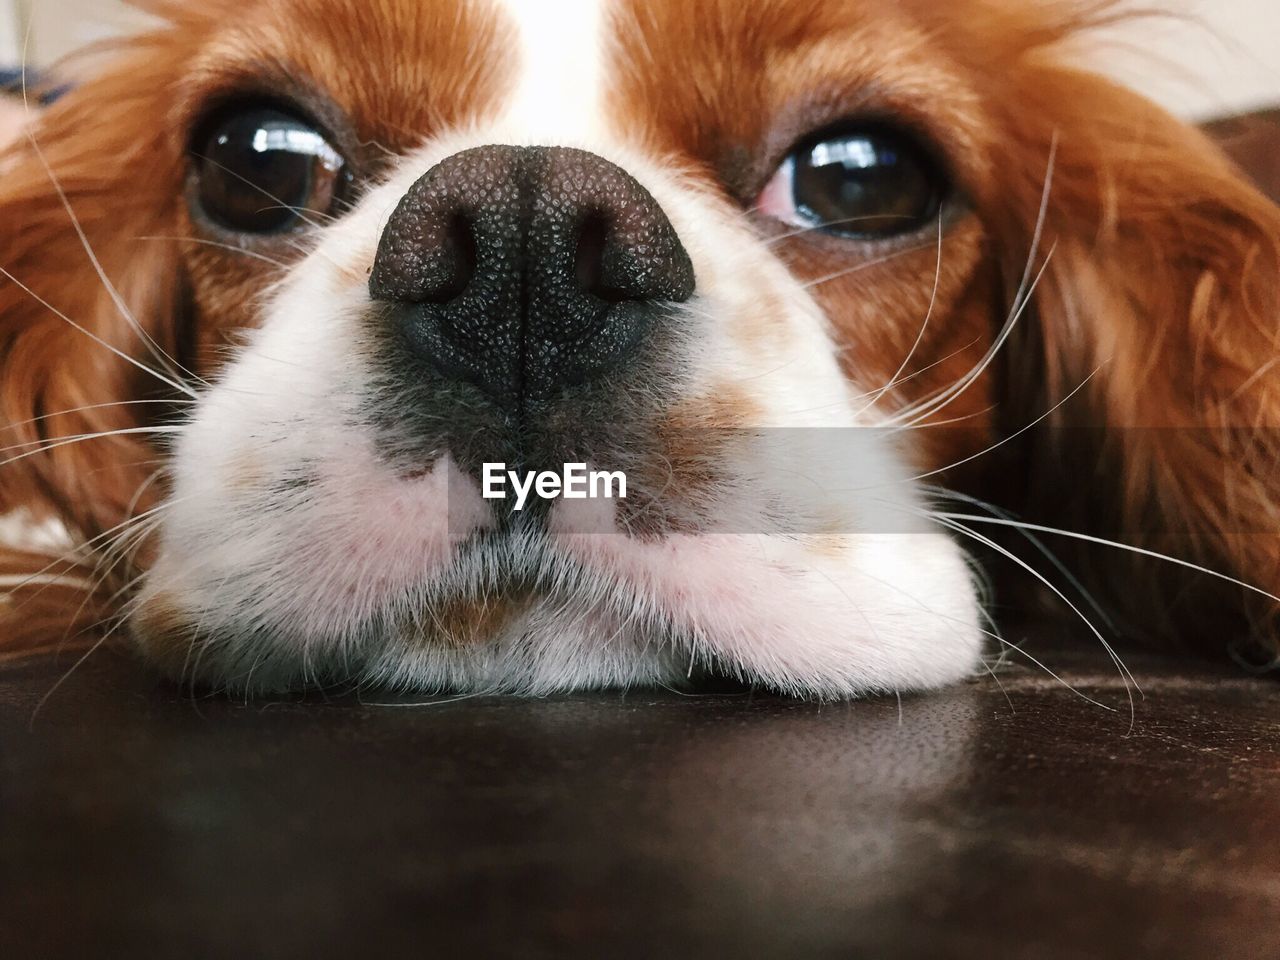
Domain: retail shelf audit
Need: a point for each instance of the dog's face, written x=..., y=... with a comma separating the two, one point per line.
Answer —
x=758, y=258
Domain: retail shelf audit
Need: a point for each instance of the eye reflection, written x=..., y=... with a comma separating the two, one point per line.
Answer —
x=261, y=170
x=866, y=184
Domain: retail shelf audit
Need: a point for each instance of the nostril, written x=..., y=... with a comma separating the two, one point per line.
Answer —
x=589, y=270
x=461, y=258
x=425, y=257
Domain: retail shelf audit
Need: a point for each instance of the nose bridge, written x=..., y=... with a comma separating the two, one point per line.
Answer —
x=560, y=71
x=528, y=270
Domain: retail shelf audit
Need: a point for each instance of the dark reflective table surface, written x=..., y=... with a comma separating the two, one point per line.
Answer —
x=1006, y=819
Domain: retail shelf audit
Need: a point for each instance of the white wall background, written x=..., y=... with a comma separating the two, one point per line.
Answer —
x=1220, y=57
x=9, y=31
x=1228, y=59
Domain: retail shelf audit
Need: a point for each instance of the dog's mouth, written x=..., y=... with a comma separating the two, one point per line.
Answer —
x=441, y=590
x=367, y=577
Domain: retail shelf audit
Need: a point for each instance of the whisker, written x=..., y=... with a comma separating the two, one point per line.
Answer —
x=1021, y=301
x=302, y=212
x=933, y=301
x=1130, y=683
x=1036, y=542
x=952, y=421
x=911, y=376
x=866, y=265
x=1011, y=437
x=993, y=634
x=93, y=648
x=1128, y=547
x=92, y=406
x=82, y=439
x=828, y=224
x=950, y=395
x=76, y=556
x=69, y=557
x=48, y=443
x=171, y=367
x=221, y=246
x=1015, y=648
x=175, y=384
x=310, y=249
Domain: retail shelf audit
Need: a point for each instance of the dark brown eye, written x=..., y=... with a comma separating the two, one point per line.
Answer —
x=868, y=183
x=261, y=170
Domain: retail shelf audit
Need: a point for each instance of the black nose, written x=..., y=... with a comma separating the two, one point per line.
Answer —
x=528, y=270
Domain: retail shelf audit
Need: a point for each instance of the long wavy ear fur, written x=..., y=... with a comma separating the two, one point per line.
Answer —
x=1163, y=293
x=73, y=358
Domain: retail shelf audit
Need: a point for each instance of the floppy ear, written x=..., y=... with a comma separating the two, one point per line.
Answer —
x=1163, y=293
x=76, y=344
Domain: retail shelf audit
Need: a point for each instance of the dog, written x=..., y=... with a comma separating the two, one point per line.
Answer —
x=842, y=292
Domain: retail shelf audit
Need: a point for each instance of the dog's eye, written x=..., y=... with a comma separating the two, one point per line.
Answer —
x=869, y=184
x=262, y=170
